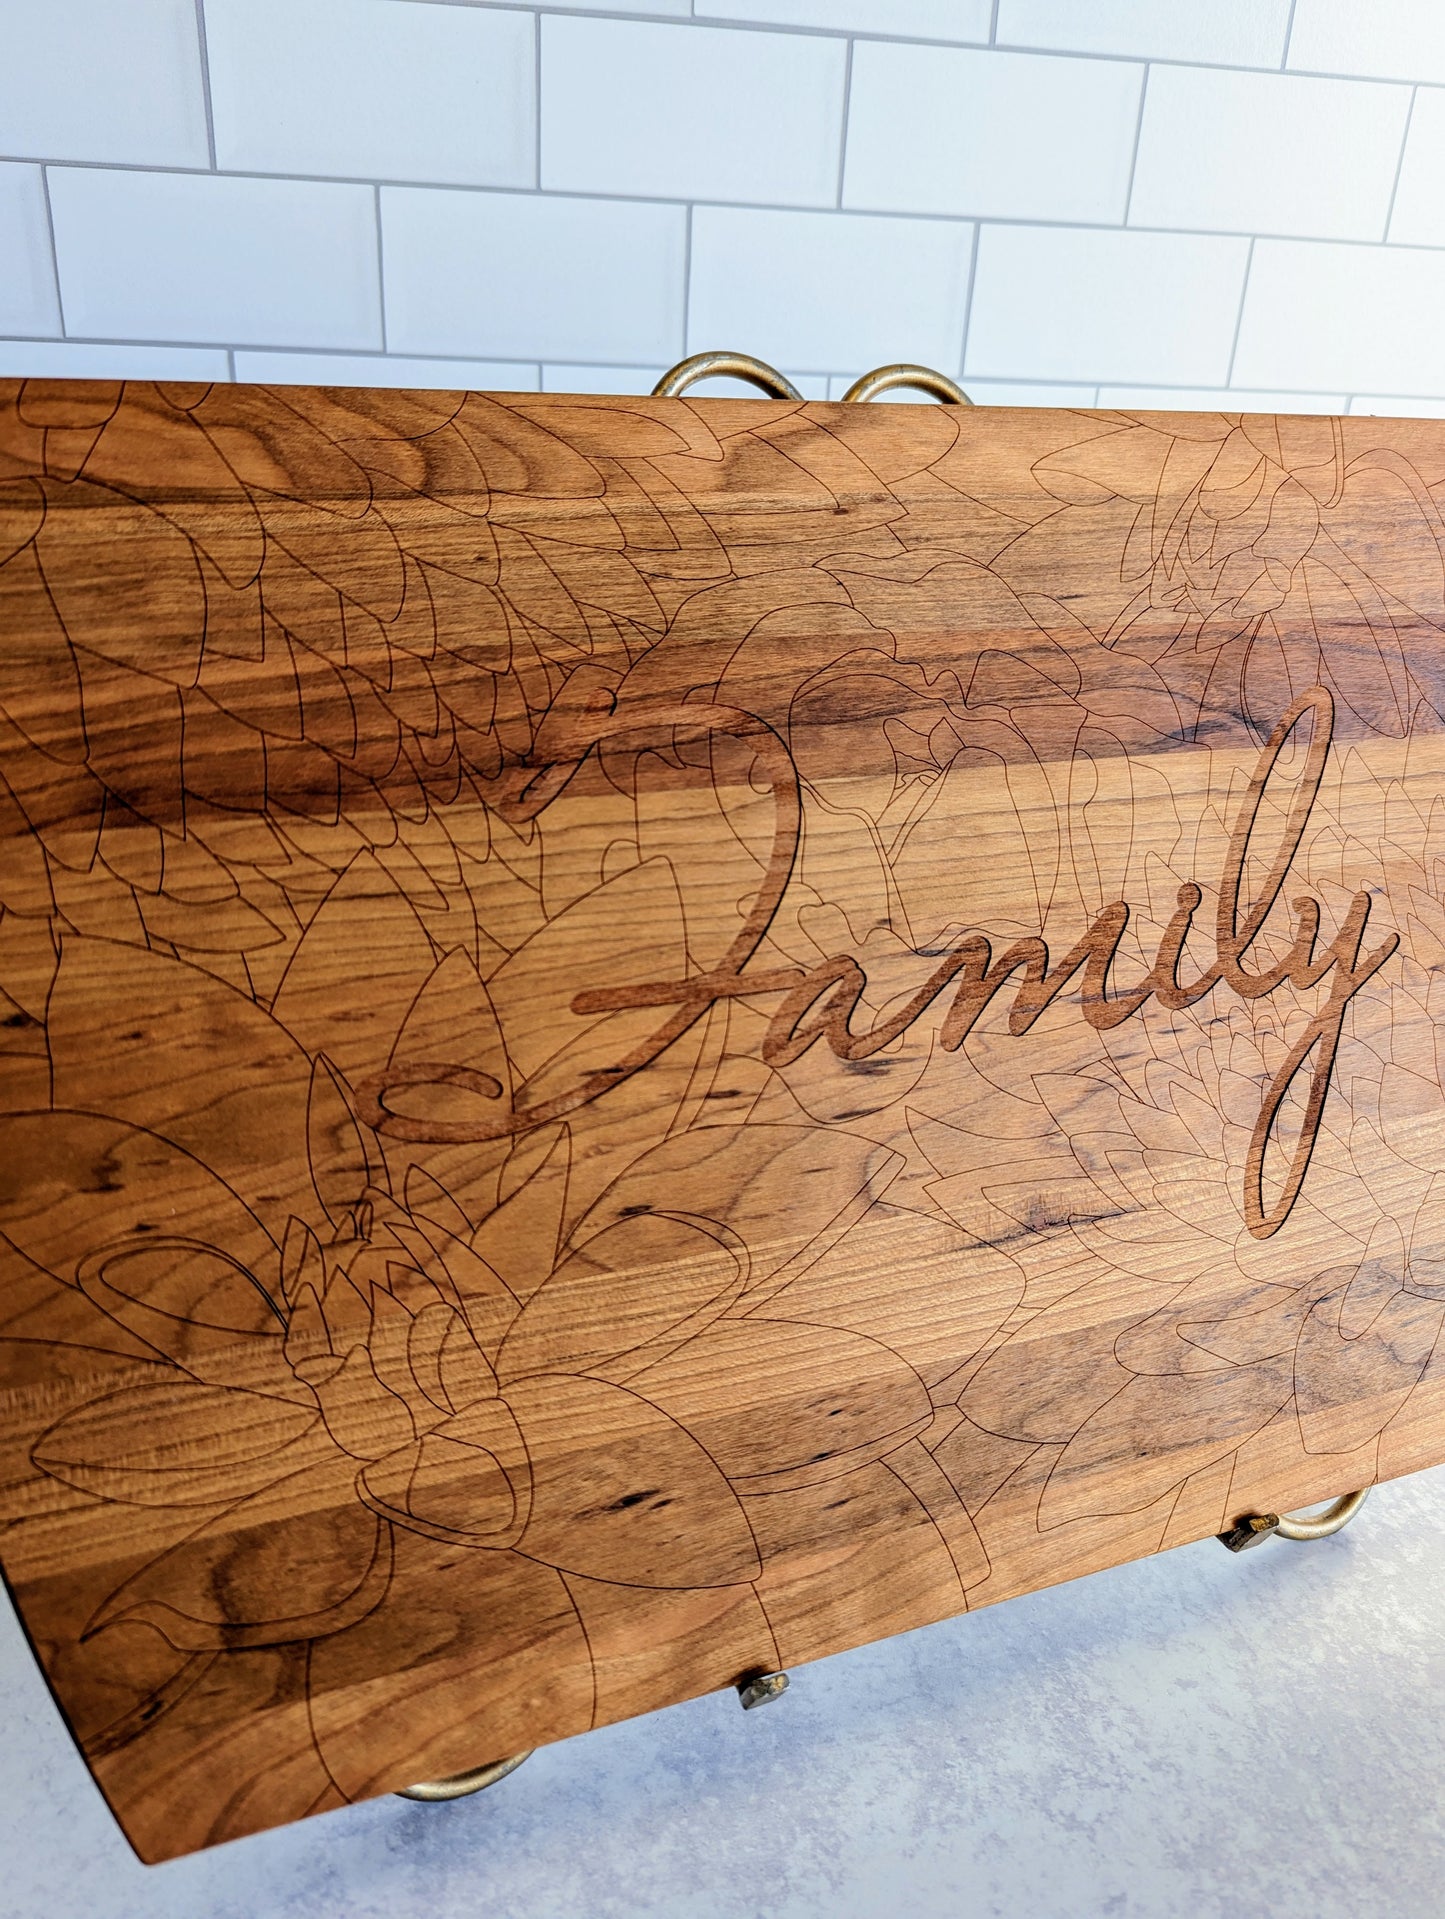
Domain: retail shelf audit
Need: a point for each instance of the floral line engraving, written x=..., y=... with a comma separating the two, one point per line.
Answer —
x=561, y=917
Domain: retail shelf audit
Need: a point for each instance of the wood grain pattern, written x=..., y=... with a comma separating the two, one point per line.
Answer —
x=644, y=1039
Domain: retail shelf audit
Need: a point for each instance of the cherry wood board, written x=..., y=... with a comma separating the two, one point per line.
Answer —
x=644, y=1039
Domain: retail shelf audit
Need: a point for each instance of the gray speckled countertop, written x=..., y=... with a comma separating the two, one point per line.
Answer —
x=1196, y=1735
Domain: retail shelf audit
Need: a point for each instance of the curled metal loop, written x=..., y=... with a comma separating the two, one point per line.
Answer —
x=1330, y=1521
x=714, y=366
x=883, y=379
x=1257, y=1527
x=461, y=1784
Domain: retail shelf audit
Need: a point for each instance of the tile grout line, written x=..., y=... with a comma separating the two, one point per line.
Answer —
x=380, y=263
x=1038, y=381
x=1399, y=168
x=1239, y=317
x=203, y=50
x=537, y=101
x=686, y=281
x=1138, y=138
x=494, y=359
x=804, y=31
x=960, y=217
x=968, y=296
x=843, y=128
x=54, y=249
x=1288, y=36
x=993, y=24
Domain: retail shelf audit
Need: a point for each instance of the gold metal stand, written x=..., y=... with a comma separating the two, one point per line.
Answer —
x=883, y=379
x=753, y=1690
x=716, y=366
x=1257, y=1527
x=462, y=1784
x=742, y=366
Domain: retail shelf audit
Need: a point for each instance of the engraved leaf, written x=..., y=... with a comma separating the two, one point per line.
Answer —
x=1167, y=1428
x=137, y=600
x=167, y=1047
x=627, y=1294
x=783, y=1190
x=1362, y=1349
x=178, y=1295
x=533, y=990
x=450, y=1047
x=1360, y=647
x=199, y=494
x=467, y=1481
x=296, y=1560
x=39, y=680
x=819, y=1402
x=273, y=449
x=343, y=1158
x=473, y=1652
x=133, y=1183
x=363, y=919
x=176, y=1445
x=619, y=1491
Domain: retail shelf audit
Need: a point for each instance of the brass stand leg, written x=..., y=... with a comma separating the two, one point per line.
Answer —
x=717, y=366
x=462, y=1784
x=883, y=379
x=1257, y=1527
x=742, y=366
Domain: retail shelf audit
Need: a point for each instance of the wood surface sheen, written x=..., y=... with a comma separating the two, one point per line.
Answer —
x=641, y=1039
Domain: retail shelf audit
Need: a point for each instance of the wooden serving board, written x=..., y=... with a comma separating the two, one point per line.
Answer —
x=642, y=1039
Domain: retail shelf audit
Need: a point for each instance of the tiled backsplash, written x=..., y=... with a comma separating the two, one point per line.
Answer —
x=1121, y=202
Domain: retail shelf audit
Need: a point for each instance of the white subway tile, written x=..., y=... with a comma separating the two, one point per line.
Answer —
x=828, y=289
x=101, y=360
x=522, y=276
x=1216, y=399
x=960, y=20
x=1071, y=304
x=1392, y=406
x=1332, y=316
x=381, y=369
x=691, y=112
x=1390, y=39
x=27, y=282
x=102, y=80
x=1012, y=136
x=200, y=257
x=1247, y=33
x=1267, y=153
x=1419, y=211
x=372, y=89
